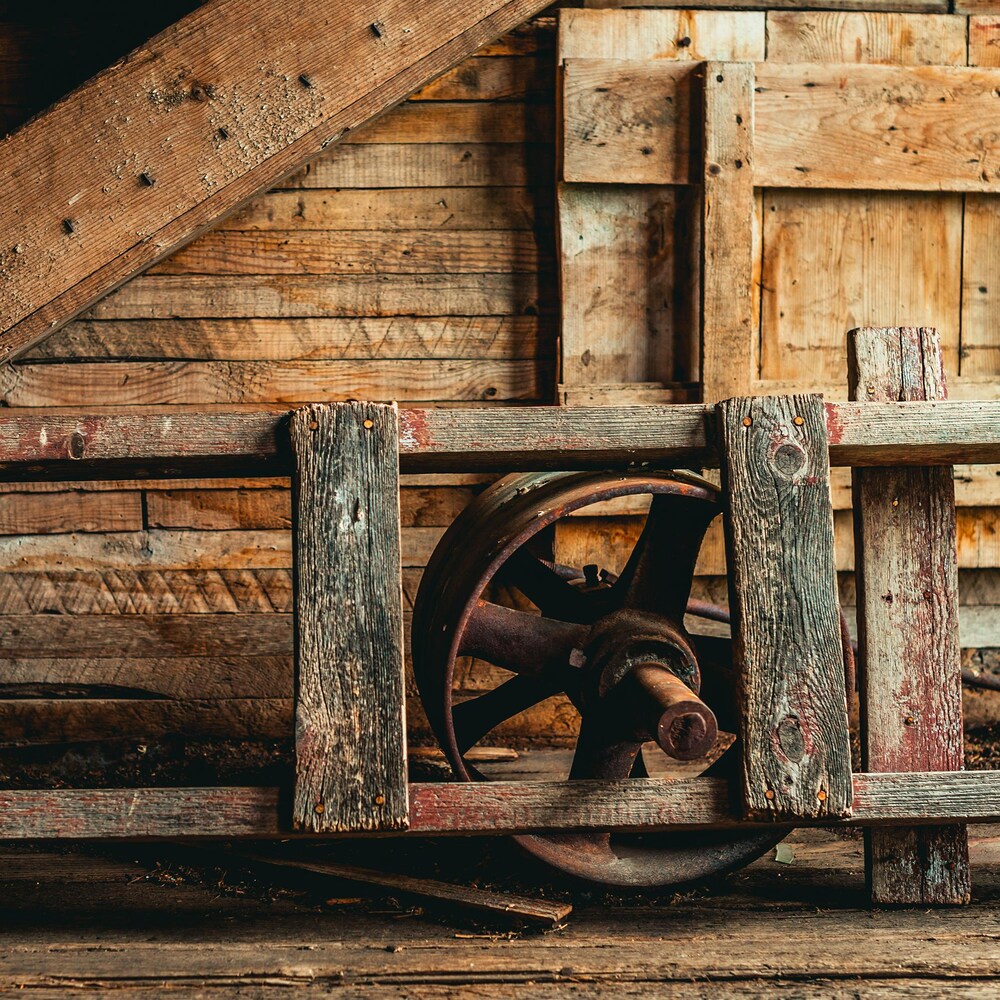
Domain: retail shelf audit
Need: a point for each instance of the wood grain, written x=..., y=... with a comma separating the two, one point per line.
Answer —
x=728, y=215
x=307, y=296
x=866, y=36
x=350, y=740
x=226, y=152
x=459, y=808
x=320, y=339
x=139, y=383
x=910, y=677
x=64, y=446
x=884, y=258
x=618, y=270
x=796, y=758
x=918, y=128
x=648, y=134
x=689, y=35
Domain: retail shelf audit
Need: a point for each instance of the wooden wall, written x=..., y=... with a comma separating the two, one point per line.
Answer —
x=415, y=261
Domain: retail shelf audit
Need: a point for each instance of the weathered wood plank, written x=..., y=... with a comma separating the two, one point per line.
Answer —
x=882, y=257
x=458, y=808
x=907, y=584
x=76, y=511
x=485, y=902
x=980, y=319
x=481, y=337
x=223, y=252
x=58, y=265
x=618, y=271
x=689, y=35
x=796, y=758
x=432, y=164
x=450, y=209
x=728, y=215
x=866, y=36
x=928, y=6
x=182, y=441
x=350, y=740
x=924, y=128
x=37, y=721
x=226, y=510
x=152, y=383
x=652, y=135
x=307, y=296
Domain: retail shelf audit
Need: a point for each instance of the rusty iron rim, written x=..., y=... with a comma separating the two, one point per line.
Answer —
x=450, y=619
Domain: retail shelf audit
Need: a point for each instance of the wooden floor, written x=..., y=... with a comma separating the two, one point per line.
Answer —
x=79, y=922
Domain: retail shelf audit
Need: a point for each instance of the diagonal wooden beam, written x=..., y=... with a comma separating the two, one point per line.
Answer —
x=221, y=106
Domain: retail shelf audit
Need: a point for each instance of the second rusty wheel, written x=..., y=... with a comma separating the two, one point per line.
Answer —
x=617, y=647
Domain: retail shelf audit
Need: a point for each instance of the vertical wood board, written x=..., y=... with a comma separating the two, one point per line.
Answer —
x=796, y=759
x=350, y=735
x=728, y=215
x=907, y=585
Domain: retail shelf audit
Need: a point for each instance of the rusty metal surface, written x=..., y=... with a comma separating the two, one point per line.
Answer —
x=615, y=645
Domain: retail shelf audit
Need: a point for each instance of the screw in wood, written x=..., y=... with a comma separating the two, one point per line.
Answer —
x=821, y=795
x=798, y=421
x=313, y=425
x=909, y=721
x=369, y=424
x=769, y=794
x=895, y=501
x=380, y=800
x=320, y=809
x=747, y=421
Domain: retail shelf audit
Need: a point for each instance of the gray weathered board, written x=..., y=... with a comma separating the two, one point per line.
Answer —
x=350, y=736
x=796, y=759
x=911, y=685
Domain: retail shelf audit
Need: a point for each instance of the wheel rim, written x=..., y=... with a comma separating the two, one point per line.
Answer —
x=451, y=620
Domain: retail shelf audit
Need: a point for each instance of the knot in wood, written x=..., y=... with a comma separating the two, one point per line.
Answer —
x=791, y=740
x=77, y=445
x=789, y=458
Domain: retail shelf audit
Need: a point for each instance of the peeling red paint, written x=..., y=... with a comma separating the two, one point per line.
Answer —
x=834, y=427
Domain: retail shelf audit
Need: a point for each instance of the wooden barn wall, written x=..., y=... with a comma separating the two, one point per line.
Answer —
x=826, y=260
x=415, y=261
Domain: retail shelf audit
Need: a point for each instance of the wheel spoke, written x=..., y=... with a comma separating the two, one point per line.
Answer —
x=545, y=585
x=602, y=752
x=657, y=576
x=475, y=718
x=520, y=642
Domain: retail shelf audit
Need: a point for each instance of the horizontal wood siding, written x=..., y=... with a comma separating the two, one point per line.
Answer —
x=413, y=262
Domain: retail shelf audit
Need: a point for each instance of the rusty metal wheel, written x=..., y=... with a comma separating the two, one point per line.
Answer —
x=617, y=646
